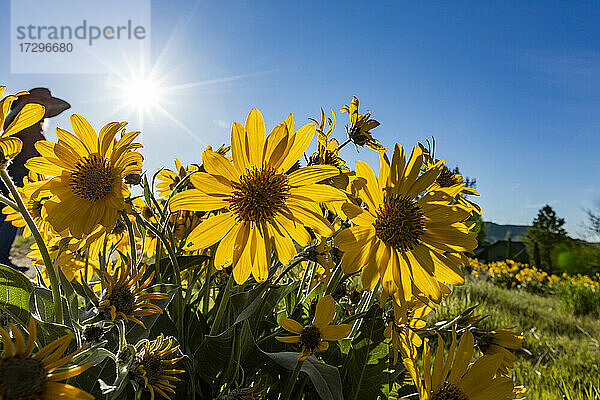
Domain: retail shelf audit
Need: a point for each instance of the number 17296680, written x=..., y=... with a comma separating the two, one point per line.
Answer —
x=36, y=47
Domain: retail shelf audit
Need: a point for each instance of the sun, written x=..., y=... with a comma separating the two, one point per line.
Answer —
x=144, y=93
x=140, y=94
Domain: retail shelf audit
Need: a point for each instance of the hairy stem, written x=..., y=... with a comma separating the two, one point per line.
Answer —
x=54, y=284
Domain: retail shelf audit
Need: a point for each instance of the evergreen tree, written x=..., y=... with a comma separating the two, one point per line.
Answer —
x=541, y=237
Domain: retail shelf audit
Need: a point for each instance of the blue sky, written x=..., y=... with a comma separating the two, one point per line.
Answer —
x=511, y=91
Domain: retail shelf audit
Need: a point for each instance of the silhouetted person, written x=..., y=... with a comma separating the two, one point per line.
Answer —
x=16, y=168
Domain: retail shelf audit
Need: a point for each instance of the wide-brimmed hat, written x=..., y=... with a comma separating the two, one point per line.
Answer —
x=43, y=96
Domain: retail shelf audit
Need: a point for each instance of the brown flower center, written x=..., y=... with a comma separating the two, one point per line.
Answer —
x=310, y=337
x=260, y=195
x=35, y=209
x=400, y=223
x=93, y=333
x=147, y=212
x=447, y=178
x=119, y=227
x=153, y=365
x=92, y=179
x=327, y=158
x=449, y=392
x=22, y=378
x=123, y=300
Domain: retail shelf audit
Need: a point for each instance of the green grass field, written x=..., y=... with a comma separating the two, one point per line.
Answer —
x=563, y=351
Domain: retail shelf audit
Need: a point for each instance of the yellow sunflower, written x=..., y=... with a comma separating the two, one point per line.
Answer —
x=87, y=173
x=29, y=115
x=28, y=376
x=452, y=378
x=315, y=336
x=453, y=183
x=327, y=148
x=404, y=236
x=359, y=131
x=261, y=206
x=67, y=256
x=114, y=239
x=169, y=179
x=501, y=342
x=35, y=207
x=320, y=253
x=153, y=369
x=122, y=295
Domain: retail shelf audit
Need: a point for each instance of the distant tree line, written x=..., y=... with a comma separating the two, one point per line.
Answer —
x=552, y=250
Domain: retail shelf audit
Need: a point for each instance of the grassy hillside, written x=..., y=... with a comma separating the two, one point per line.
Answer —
x=563, y=351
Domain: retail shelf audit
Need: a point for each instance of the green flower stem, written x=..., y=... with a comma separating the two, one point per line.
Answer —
x=292, y=382
x=8, y=202
x=288, y=269
x=305, y=273
x=122, y=335
x=131, y=235
x=157, y=258
x=367, y=301
x=334, y=280
x=178, y=300
x=222, y=305
x=54, y=284
x=343, y=144
x=167, y=246
x=206, y=288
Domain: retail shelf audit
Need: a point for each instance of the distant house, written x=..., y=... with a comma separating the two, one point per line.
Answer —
x=503, y=242
x=502, y=250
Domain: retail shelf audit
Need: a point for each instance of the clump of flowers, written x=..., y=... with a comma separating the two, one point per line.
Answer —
x=243, y=273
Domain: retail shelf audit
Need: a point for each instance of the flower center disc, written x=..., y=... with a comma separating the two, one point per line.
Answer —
x=447, y=178
x=310, y=337
x=449, y=392
x=153, y=366
x=400, y=223
x=123, y=300
x=119, y=227
x=260, y=195
x=92, y=179
x=21, y=378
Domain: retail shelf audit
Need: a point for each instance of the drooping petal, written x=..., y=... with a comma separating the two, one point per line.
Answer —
x=464, y=353
x=335, y=332
x=324, y=312
x=288, y=339
x=30, y=114
x=211, y=231
x=290, y=325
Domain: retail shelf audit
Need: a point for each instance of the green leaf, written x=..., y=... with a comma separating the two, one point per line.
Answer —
x=196, y=328
x=71, y=301
x=325, y=378
x=41, y=304
x=15, y=290
x=213, y=355
x=184, y=262
x=47, y=332
x=364, y=371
